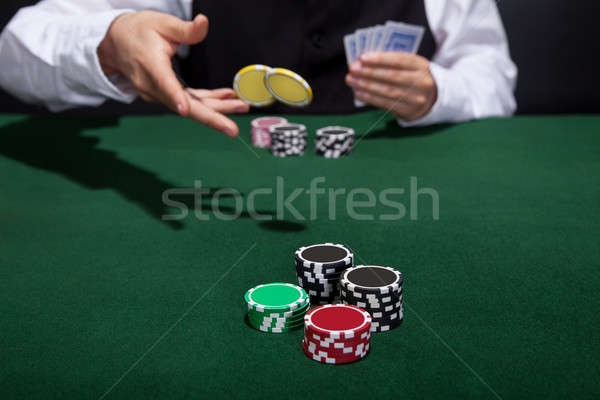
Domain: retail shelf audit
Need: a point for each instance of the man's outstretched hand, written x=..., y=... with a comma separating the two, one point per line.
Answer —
x=140, y=46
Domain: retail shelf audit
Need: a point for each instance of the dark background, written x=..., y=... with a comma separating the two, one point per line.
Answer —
x=555, y=44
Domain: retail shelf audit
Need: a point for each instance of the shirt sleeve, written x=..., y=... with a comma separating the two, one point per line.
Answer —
x=48, y=52
x=472, y=68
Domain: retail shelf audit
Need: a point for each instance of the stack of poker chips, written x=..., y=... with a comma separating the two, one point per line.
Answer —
x=376, y=289
x=261, y=137
x=318, y=268
x=276, y=307
x=334, y=141
x=288, y=139
x=336, y=334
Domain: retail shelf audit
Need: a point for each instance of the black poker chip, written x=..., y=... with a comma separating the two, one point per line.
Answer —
x=384, y=327
x=376, y=311
x=308, y=272
x=372, y=278
x=325, y=255
x=320, y=286
x=288, y=139
x=374, y=306
x=370, y=297
x=334, y=141
x=319, y=268
x=376, y=289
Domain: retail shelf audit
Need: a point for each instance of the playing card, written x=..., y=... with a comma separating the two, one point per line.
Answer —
x=377, y=38
x=402, y=37
x=370, y=32
x=350, y=48
x=361, y=41
x=393, y=36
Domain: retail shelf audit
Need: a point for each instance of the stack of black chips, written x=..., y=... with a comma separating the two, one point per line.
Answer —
x=334, y=141
x=288, y=139
x=318, y=268
x=377, y=290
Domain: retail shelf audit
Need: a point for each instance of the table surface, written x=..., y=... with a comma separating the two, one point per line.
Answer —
x=101, y=297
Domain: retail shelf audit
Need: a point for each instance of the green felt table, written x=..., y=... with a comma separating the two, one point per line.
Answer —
x=103, y=298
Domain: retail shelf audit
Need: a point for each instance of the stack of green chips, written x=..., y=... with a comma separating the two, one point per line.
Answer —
x=277, y=307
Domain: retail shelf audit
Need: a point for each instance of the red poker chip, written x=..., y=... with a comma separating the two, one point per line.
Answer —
x=325, y=342
x=338, y=344
x=346, y=351
x=320, y=337
x=327, y=358
x=337, y=321
x=261, y=138
x=265, y=122
x=330, y=358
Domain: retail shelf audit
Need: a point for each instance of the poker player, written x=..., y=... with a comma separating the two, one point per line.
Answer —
x=67, y=53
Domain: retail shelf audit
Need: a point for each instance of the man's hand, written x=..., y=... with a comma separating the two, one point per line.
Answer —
x=396, y=81
x=140, y=46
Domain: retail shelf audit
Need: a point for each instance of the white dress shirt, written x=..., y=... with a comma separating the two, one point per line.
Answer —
x=48, y=55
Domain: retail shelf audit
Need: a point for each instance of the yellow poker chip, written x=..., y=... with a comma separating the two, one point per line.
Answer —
x=249, y=86
x=288, y=87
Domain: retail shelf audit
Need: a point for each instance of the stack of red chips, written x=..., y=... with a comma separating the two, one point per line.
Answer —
x=336, y=333
x=261, y=137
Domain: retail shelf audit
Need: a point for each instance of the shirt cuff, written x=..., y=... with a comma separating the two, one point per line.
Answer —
x=84, y=72
x=446, y=108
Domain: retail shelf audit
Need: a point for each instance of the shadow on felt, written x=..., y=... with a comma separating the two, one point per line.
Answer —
x=56, y=144
x=394, y=131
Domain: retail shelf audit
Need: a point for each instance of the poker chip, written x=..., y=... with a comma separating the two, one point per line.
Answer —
x=260, y=86
x=288, y=139
x=261, y=137
x=372, y=279
x=329, y=343
x=337, y=348
x=249, y=86
x=288, y=87
x=334, y=141
x=265, y=314
x=280, y=321
x=276, y=325
x=337, y=334
x=276, y=307
x=376, y=289
x=277, y=330
x=337, y=321
x=319, y=267
x=325, y=256
x=335, y=358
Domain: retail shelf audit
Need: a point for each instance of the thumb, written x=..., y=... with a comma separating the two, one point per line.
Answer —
x=184, y=32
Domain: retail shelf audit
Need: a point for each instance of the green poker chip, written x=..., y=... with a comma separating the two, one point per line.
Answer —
x=287, y=314
x=276, y=297
x=259, y=325
x=277, y=321
x=279, y=330
x=277, y=307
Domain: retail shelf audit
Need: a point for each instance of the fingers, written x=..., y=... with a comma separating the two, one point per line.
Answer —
x=185, y=32
x=377, y=88
x=167, y=88
x=223, y=93
x=213, y=119
x=394, y=59
x=396, y=106
x=221, y=100
x=227, y=106
x=390, y=75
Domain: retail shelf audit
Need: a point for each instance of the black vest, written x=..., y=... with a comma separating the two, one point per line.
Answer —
x=302, y=35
